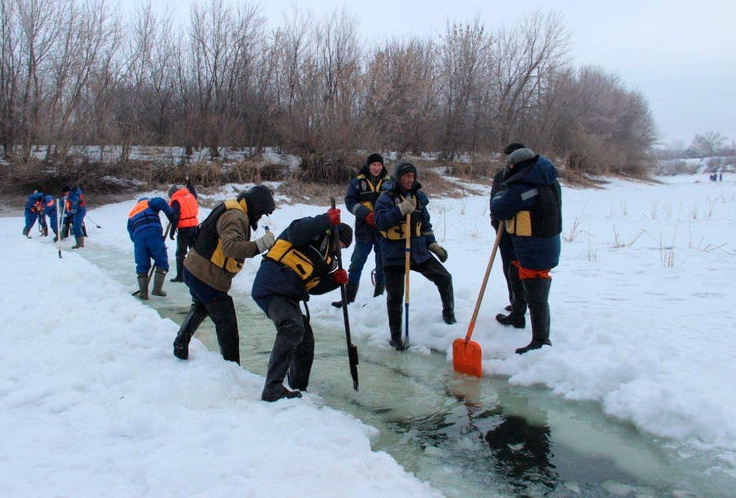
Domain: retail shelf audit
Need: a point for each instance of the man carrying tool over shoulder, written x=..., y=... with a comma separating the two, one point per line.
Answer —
x=402, y=197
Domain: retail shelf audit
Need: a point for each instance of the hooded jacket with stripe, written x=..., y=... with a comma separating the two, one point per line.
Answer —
x=364, y=190
x=525, y=187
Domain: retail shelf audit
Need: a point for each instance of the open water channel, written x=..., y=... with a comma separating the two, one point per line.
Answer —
x=468, y=437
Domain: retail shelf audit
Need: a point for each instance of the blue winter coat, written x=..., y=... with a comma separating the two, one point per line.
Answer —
x=148, y=221
x=517, y=193
x=275, y=278
x=387, y=215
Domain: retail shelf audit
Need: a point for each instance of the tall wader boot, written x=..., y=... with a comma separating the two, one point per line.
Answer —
x=197, y=313
x=537, y=295
x=394, y=297
x=26, y=231
x=447, y=295
x=301, y=363
x=288, y=337
x=226, y=328
x=351, y=290
x=518, y=301
x=158, y=283
x=143, y=286
x=179, y=277
x=80, y=242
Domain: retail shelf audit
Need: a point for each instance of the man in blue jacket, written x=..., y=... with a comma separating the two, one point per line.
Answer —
x=34, y=211
x=403, y=197
x=360, y=199
x=146, y=232
x=529, y=201
x=301, y=263
x=75, y=207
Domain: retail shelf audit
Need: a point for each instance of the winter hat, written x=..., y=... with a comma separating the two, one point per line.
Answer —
x=374, y=158
x=260, y=201
x=345, y=233
x=403, y=168
x=512, y=147
x=173, y=190
x=519, y=156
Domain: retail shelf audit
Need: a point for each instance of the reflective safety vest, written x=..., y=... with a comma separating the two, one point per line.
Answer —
x=398, y=232
x=142, y=215
x=208, y=243
x=308, y=262
x=544, y=219
x=188, y=208
x=368, y=193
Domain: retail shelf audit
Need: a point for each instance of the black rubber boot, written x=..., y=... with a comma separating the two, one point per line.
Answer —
x=351, y=290
x=448, y=315
x=537, y=294
x=197, y=313
x=179, y=271
x=301, y=364
x=378, y=290
x=143, y=286
x=26, y=231
x=518, y=301
x=288, y=338
x=226, y=328
x=158, y=283
x=447, y=295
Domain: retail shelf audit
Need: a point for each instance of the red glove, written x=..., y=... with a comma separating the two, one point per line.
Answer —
x=340, y=277
x=369, y=219
x=334, y=215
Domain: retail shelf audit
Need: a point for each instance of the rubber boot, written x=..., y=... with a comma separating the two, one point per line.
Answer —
x=301, y=364
x=26, y=231
x=143, y=286
x=379, y=290
x=518, y=302
x=537, y=294
x=197, y=313
x=179, y=271
x=226, y=328
x=351, y=290
x=158, y=283
x=64, y=232
x=447, y=295
x=288, y=338
x=80, y=242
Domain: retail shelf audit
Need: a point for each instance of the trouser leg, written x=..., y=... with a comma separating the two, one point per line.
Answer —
x=301, y=364
x=537, y=296
x=394, y=300
x=290, y=332
x=222, y=312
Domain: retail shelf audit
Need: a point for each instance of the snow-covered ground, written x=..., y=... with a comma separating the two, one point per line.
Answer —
x=93, y=403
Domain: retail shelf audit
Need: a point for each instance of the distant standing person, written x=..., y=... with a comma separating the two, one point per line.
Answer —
x=76, y=209
x=147, y=234
x=403, y=197
x=221, y=246
x=361, y=196
x=530, y=202
x=34, y=211
x=183, y=201
x=301, y=263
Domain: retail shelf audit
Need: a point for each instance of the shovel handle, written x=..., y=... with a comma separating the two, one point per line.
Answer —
x=471, y=326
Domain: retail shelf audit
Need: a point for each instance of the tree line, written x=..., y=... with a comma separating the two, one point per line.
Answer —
x=74, y=73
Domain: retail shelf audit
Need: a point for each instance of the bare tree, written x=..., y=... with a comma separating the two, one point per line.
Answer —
x=708, y=143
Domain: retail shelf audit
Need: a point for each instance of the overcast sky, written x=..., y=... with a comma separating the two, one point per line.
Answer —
x=680, y=55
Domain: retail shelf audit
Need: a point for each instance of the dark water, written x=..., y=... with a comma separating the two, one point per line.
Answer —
x=471, y=437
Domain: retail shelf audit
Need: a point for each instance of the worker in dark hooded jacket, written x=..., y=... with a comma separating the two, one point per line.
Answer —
x=183, y=202
x=529, y=202
x=360, y=199
x=301, y=263
x=403, y=197
x=221, y=246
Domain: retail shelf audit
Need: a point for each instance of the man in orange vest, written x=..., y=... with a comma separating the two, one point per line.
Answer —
x=183, y=201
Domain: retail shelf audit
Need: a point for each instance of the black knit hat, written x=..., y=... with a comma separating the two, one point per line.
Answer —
x=374, y=158
x=512, y=147
x=403, y=168
x=345, y=233
x=260, y=201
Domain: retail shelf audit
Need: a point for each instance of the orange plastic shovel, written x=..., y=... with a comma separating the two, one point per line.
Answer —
x=467, y=354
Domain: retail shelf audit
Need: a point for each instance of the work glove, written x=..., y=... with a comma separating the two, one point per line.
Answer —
x=172, y=234
x=265, y=242
x=407, y=205
x=340, y=277
x=334, y=215
x=439, y=251
x=370, y=220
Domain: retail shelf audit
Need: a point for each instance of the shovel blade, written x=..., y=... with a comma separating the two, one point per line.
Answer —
x=466, y=357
